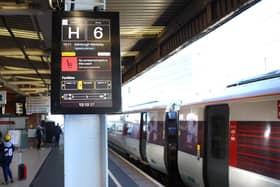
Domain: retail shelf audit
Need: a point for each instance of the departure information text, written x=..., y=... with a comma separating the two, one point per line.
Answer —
x=86, y=78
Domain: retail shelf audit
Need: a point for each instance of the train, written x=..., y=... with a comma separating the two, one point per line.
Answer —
x=231, y=139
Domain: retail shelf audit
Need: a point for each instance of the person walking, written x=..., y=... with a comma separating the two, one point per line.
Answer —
x=39, y=136
x=58, y=132
x=8, y=152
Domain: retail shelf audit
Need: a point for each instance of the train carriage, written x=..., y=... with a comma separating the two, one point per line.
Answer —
x=227, y=144
x=230, y=140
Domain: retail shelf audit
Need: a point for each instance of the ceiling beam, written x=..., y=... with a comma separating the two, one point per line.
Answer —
x=22, y=49
x=189, y=12
x=196, y=20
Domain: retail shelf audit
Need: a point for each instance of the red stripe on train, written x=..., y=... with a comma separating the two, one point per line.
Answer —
x=233, y=144
x=259, y=156
x=262, y=148
x=257, y=136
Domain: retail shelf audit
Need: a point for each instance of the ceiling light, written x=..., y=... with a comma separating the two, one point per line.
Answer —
x=4, y=32
x=33, y=89
x=27, y=78
x=27, y=82
x=134, y=32
x=129, y=53
x=18, y=52
x=32, y=58
x=13, y=6
x=19, y=33
x=24, y=72
x=15, y=68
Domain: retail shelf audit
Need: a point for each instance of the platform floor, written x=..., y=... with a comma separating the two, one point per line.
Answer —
x=51, y=172
x=122, y=173
x=45, y=168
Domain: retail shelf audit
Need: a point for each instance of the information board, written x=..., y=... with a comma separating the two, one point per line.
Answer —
x=37, y=104
x=86, y=74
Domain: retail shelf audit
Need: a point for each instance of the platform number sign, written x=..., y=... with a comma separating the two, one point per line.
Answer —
x=87, y=69
x=97, y=31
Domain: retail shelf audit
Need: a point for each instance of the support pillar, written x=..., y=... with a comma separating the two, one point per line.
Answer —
x=85, y=151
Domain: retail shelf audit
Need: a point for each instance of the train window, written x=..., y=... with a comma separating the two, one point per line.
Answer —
x=218, y=137
x=133, y=118
x=129, y=129
x=172, y=131
x=172, y=115
x=145, y=128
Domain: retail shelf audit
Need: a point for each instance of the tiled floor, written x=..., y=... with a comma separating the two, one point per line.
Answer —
x=33, y=159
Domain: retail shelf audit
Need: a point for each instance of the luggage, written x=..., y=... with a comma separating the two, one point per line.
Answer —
x=22, y=171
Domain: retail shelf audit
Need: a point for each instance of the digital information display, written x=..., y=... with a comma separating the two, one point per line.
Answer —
x=86, y=74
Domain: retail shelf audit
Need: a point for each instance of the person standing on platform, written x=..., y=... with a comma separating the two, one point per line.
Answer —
x=8, y=152
x=39, y=136
x=58, y=132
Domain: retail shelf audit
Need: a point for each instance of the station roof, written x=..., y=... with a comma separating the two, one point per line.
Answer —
x=150, y=30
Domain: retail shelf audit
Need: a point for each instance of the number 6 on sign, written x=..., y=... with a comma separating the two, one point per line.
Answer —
x=97, y=33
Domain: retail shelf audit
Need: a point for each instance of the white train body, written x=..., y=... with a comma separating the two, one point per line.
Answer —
x=232, y=140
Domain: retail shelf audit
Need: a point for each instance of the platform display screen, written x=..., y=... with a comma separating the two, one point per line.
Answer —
x=86, y=75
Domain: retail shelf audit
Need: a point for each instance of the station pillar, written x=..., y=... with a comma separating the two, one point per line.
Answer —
x=85, y=151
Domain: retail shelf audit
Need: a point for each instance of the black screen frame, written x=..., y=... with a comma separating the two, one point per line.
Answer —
x=56, y=106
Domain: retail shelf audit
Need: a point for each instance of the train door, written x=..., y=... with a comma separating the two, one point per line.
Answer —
x=143, y=135
x=171, y=148
x=216, y=146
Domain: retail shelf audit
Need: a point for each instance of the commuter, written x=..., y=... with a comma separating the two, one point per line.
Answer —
x=39, y=136
x=8, y=151
x=58, y=132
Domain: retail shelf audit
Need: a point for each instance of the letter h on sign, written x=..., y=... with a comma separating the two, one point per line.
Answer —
x=73, y=32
